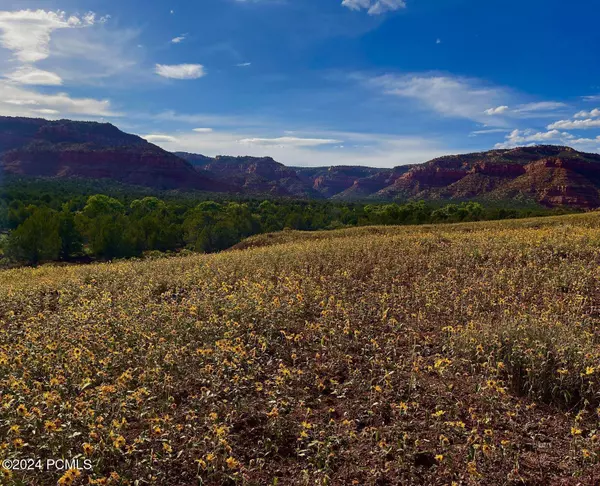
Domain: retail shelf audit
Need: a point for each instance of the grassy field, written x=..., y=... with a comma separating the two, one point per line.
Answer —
x=458, y=354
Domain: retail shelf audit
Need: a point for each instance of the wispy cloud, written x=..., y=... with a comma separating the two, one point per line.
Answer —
x=159, y=138
x=583, y=120
x=595, y=113
x=74, y=49
x=547, y=107
x=202, y=130
x=575, y=124
x=449, y=96
x=179, y=39
x=27, y=32
x=216, y=120
x=244, y=64
x=34, y=76
x=289, y=141
x=524, y=137
x=31, y=35
x=528, y=137
x=487, y=131
x=499, y=110
x=93, y=56
x=276, y=2
x=585, y=141
x=308, y=148
x=375, y=7
x=18, y=101
x=539, y=109
x=180, y=71
x=591, y=98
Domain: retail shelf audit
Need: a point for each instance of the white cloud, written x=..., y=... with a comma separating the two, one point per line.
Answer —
x=520, y=138
x=540, y=106
x=537, y=109
x=91, y=56
x=27, y=32
x=449, y=96
x=375, y=7
x=575, y=124
x=584, y=141
x=32, y=75
x=76, y=50
x=527, y=136
x=487, y=131
x=171, y=116
x=47, y=111
x=289, y=141
x=18, y=101
x=595, y=113
x=438, y=41
x=497, y=111
x=462, y=97
x=202, y=130
x=179, y=39
x=159, y=138
x=180, y=71
x=244, y=64
x=530, y=137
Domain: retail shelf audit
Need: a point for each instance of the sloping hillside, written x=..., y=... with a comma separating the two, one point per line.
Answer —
x=64, y=148
x=427, y=355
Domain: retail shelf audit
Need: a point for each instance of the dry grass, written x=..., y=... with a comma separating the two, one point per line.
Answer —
x=411, y=355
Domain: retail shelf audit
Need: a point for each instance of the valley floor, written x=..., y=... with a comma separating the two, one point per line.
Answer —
x=454, y=354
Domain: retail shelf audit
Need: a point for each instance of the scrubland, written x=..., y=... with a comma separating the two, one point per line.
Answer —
x=457, y=354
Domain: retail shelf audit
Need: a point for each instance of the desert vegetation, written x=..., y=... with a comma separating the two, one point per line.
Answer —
x=438, y=354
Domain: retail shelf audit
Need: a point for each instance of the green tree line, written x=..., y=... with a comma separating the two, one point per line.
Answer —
x=104, y=227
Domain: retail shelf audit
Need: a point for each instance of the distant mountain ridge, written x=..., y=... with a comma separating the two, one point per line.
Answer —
x=546, y=174
x=253, y=175
x=64, y=148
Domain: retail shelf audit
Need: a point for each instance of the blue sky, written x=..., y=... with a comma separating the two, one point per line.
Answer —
x=311, y=82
